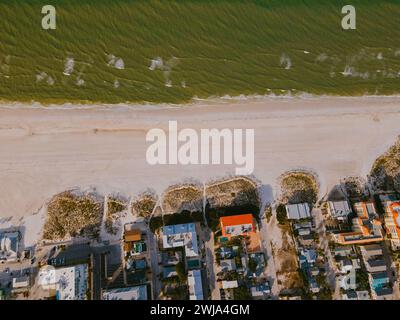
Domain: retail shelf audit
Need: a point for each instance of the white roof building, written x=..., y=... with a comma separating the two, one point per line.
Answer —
x=70, y=283
x=131, y=293
x=195, y=285
x=348, y=281
x=298, y=211
x=9, y=245
x=230, y=284
x=339, y=209
x=181, y=235
x=20, y=282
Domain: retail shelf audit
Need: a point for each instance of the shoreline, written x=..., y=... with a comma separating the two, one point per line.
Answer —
x=49, y=150
x=194, y=102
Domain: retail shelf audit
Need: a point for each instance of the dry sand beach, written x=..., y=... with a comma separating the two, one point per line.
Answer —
x=46, y=150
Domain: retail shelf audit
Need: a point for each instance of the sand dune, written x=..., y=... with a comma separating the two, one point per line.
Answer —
x=48, y=150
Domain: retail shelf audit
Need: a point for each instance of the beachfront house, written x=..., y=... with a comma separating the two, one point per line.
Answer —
x=392, y=222
x=241, y=225
x=133, y=241
x=339, y=210
x=181, y=235
x=298, y=211
x=366, y=227
x=67, y=283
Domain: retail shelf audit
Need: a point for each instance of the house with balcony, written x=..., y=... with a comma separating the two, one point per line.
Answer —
x=392, y=222
x=366, y=227
x=181, y=235
x=339, y=210
x=241, y=225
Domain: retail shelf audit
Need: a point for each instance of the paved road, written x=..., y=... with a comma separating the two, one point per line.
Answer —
x=153, y=247
x=211, y=267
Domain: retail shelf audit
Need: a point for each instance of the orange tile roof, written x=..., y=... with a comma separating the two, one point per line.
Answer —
x=236, y=221
x=133, y=235
x=128, y=246
x=357, y=241
x=395, y=216
x=364, y=210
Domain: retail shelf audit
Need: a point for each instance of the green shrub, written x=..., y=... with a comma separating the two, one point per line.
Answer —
x=281, y=214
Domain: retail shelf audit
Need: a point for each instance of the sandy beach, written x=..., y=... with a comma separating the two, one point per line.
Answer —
x=46, y=150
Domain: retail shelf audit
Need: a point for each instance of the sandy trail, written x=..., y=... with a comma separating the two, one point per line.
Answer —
x=44, y=151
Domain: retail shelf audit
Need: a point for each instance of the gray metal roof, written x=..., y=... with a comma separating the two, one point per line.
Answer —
x=298, y=211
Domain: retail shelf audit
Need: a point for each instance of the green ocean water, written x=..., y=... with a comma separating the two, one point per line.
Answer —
x=203, y=49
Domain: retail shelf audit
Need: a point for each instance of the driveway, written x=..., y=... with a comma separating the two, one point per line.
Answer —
x=211, y=267
x=267, y=249
x=324, y=245
x=153, y=247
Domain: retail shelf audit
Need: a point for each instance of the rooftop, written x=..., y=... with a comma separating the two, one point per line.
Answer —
x=181, y=235
x=228, y=265
x=298, y=211
x=366, y=227
x=133, y=235
x=237, y=225
x=20, y=282
x=309, y=254
x=229, y=284
x=70, y=283
x=392, y=219
x=365, y=210
x=178, y=229
x=131, y=293
x=195, y=285
x=260, y=290
x=9, y=245
x=374, y=249
x=339, y=209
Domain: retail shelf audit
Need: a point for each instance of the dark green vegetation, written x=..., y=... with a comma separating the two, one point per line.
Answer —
x=241, y=293
x=362, y=280
x=208, y=48
x=183, y=217
x=281, y=214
